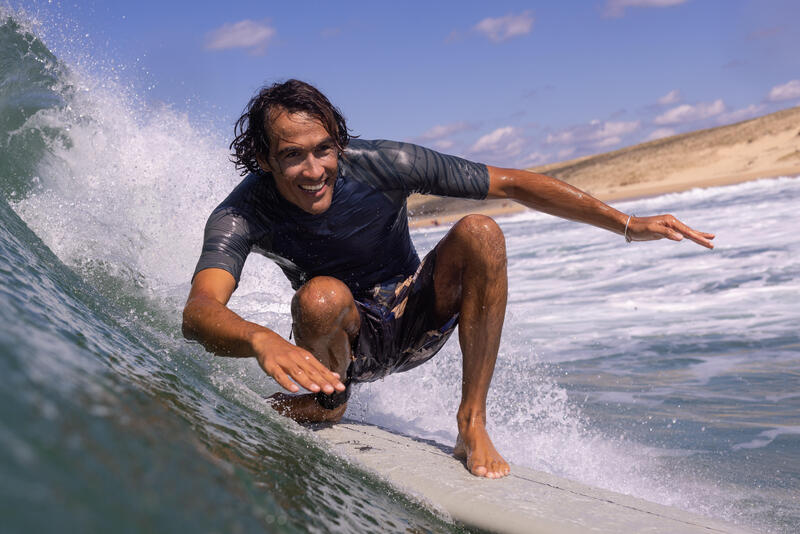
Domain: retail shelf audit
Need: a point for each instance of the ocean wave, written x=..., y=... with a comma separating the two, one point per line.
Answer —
x=111, y=420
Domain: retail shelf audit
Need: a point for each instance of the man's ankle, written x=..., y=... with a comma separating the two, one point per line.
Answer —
x=470, y=418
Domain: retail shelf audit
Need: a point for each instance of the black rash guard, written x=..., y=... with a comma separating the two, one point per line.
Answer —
x=362, y=239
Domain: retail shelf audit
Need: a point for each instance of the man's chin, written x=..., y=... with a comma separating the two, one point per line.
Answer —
x=318, y=207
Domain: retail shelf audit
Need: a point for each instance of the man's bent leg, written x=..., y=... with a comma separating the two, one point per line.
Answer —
x=326, y=321
x=470, y=279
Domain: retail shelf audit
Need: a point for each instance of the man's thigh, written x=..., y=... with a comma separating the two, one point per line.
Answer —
x=400, y=328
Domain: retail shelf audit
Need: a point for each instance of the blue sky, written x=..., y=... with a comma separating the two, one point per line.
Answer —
x=507, y=83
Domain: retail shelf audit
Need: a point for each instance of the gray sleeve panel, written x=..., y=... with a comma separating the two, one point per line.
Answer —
x=226, y=242
x=392, y=165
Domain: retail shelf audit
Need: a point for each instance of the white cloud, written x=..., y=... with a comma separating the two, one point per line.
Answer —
x=599, y=134
x=440, y=131
x=591, y=138
x=737, y=115
x=616, y=8
x=243, y=34
x=444, y=144
x=787, y=91
x=616, y=129
x=608, y=141
x=660, y=133
x=566, y=152
x=670, y=98
x=502, y=142
x=439, y=136
x=688, y=113
x=533, y=159
x=563, y=137
x=504, y=28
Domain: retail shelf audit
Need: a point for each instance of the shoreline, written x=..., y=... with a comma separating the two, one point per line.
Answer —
x=760, y=148
x=501, y=208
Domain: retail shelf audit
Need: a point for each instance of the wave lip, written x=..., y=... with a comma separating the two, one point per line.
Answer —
x=31, y=80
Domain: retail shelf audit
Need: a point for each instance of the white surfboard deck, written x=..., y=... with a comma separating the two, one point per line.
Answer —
x=526, y=501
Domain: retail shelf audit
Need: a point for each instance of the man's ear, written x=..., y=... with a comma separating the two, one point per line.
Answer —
x=263, y=163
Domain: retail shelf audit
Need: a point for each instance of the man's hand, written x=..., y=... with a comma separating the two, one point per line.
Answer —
x=207, y=319
x=285, y=362
x=661, y=226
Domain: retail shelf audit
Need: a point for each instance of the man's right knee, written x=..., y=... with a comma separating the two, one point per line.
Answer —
x=322, y=304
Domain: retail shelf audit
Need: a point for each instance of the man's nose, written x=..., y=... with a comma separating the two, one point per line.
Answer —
x=313, y=167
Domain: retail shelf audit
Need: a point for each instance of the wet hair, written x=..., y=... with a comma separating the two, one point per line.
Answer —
x=252, y=129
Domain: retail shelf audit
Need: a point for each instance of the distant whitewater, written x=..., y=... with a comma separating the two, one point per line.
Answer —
x=661, y=370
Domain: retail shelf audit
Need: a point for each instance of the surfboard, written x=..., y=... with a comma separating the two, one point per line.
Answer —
x=526, y=501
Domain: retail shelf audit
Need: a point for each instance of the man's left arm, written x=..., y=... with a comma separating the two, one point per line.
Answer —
x=550, y=195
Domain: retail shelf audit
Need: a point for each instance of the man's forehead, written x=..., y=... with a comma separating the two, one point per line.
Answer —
x=296, y=128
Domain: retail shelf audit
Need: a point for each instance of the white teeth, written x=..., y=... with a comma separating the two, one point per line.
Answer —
x=312, y=188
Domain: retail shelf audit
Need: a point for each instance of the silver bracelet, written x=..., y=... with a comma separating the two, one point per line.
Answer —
x=625, y=233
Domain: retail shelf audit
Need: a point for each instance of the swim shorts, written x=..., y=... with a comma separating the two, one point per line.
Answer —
x=399, y=330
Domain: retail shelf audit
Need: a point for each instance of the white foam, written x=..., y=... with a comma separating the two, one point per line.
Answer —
x=766, y=437
x=126, y=187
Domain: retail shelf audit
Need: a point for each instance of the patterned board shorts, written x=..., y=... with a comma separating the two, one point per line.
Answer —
x=399, y=330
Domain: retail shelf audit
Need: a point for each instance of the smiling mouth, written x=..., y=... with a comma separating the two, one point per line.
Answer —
x=312, y=188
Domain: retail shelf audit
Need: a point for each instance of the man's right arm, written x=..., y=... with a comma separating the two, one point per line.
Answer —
x=207, y=319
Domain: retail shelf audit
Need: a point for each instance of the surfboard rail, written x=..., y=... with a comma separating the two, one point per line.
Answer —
x=526, y=501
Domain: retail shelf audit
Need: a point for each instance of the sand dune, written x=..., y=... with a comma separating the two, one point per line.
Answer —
x=763, y=147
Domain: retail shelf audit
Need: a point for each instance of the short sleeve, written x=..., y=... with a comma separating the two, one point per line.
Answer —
x=226, y=243
x=416, y=169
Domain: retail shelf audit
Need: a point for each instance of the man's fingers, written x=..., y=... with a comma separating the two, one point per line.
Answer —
x=324, y=379
x=283, y=380
x=673, y=235
x=307, y=379
x=325, y=376
x=328, y=380
x=296, y=366
x=701, y=238
x=333, y=379
x=671, y=228
x=282, y=370
x=310, y=373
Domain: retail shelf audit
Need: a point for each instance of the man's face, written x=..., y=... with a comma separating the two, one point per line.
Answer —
x=303, y=160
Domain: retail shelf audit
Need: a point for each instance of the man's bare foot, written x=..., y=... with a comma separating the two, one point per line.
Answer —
x=483, y=460
x=305, y=408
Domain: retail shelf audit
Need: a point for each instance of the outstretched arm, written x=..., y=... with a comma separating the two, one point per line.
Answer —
x=555, y=197
x=207, y=319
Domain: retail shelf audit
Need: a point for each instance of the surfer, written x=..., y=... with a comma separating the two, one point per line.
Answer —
x=331, y=212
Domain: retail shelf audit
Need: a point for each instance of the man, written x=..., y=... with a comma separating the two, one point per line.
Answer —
x=331, y=212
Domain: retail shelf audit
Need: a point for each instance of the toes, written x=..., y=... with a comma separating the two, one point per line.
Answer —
x=488, y=468
x=492, y=469
x=479, y=470
x=497, y=469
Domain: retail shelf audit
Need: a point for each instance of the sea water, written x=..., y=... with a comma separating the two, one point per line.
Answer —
x=661, y=370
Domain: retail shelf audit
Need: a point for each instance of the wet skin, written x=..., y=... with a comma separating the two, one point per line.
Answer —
x=469, y=278
x=304, y=161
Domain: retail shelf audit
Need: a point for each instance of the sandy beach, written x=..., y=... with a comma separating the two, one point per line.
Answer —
x=764, y=147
